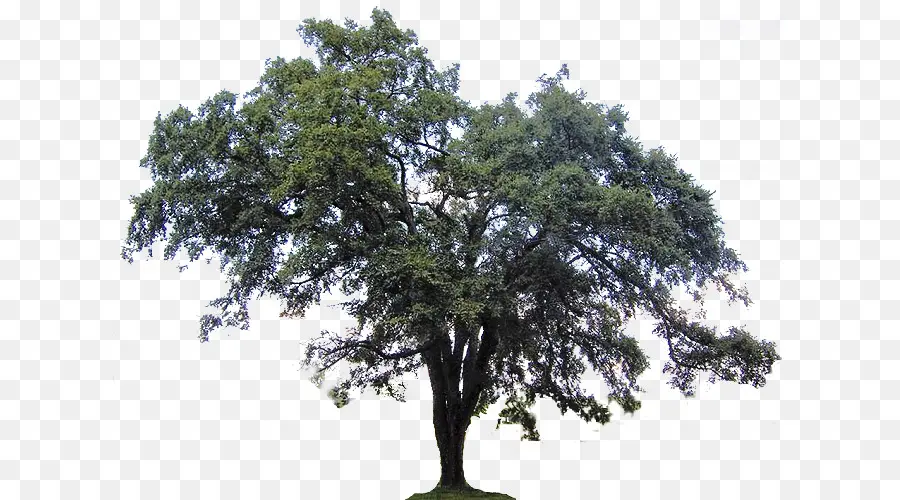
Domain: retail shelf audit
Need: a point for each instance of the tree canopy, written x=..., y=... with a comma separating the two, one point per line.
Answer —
x=502, y=247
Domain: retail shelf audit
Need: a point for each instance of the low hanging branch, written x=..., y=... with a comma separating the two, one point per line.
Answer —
x=347, y=348
x=721, y=356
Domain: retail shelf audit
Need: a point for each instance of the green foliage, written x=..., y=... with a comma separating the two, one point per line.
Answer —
x=338, y=395
x=510, y=255
x=516, y=412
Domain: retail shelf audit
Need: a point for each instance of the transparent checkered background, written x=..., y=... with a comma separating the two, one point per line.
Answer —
x=788, y=110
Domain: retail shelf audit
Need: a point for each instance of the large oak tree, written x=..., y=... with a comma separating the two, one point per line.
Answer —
x=501, y=248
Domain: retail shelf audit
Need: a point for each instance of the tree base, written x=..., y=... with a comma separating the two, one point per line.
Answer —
x=462, y=493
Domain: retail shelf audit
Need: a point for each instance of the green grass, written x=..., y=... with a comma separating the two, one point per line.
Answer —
x=444, y=494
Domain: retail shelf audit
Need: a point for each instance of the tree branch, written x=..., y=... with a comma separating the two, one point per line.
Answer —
x=394, y=157
x=451, y=374
x=498, y=216
x=426, y=145
x=365, y=344
x=660, y=309
x=440, y=206
x=474, y=374
x=461, y=337
x=317, y=276
x=433, y=148
x=406, y=208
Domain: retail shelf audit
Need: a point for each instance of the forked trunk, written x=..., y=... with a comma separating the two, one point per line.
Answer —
x=451, y=420
x=455, y=406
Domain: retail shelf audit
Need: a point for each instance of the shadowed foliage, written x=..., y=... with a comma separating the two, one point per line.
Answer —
x=501, y=247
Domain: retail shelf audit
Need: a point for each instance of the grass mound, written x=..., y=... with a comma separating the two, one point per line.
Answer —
x=448, y=494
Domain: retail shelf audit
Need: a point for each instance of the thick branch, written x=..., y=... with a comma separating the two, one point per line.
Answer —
x=440, y=206
x=461, y=337
x=450, y=372
x=394, y=157
x=440, y=407
x=406, y=208
x=476, y=374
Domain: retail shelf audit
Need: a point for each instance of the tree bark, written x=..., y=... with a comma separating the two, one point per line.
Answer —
x=451, y=443
x=451, y=420
x=454, y=406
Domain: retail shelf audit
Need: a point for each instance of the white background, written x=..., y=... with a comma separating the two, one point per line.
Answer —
x=788, y=110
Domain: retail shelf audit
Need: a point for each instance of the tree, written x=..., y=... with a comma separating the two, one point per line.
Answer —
x=505, y=258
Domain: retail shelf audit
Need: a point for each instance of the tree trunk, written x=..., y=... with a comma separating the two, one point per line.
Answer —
x=451, y=441
x=451, y=420
x=454, y=406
